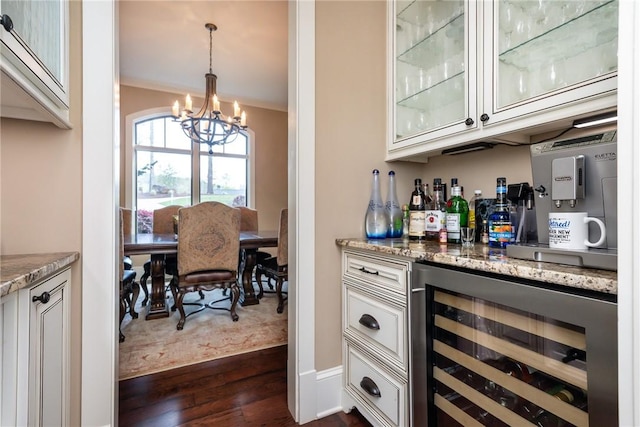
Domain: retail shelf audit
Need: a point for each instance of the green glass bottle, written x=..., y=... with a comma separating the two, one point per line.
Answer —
x=457, y=215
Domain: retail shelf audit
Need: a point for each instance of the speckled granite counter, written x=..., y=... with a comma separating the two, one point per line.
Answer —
x=21, y=271
x=482, y=258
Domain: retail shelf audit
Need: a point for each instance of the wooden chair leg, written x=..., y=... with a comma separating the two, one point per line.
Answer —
x=183, y=317
x=259, y=282
x=135, y=293
x=145, y=290
x=174, y=293
x=235, y=297
x=279, y=282
x=123, y=310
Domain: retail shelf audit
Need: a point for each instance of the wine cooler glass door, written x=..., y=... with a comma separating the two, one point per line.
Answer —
x=506, y=354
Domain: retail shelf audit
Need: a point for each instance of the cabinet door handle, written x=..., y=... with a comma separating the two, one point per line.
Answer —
x=368, y=321
x=370, y=387
x=484, y=118
x=6, y=22
x=364, y=270
x=469, y=121
x=43, y=298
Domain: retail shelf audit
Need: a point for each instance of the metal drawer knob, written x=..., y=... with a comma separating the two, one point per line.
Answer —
x=6, y=22
x=43, y=298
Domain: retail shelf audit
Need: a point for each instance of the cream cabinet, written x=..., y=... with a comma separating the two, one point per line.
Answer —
x=34, y=60
x=34, y=323
x=376, y=337
x=467, y=71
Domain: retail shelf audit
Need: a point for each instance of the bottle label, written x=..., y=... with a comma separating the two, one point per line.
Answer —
x=500, y=231
x=416, y=200
x=453, y=226
x=434, y=221
x=472, y=218
x=416, y=223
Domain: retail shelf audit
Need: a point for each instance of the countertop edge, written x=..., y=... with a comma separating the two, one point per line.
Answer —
x=482, y=258
x=24, y=270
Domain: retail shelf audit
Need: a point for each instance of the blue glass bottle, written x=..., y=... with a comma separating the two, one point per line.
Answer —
x=500, y=229
x=392, y=208
x=375, y=221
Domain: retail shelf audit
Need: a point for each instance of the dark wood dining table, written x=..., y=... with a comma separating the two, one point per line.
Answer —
x=161, y=245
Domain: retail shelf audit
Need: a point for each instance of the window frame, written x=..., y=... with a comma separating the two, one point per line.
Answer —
x=129, y=155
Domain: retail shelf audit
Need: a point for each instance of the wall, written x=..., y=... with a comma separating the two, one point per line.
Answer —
x=41, y=192
x=270, y=129
x=351, y=113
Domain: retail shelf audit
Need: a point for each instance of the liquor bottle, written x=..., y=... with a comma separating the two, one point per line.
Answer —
x=375, y=220
x=435, y=215
x=477, y=194
x=416, y=212
x=405, y=222
x=484, y=233
x=392, y=208
x=500, y=229
x=457, y=215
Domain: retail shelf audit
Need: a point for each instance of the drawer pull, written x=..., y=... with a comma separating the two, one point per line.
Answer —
x=370, y=387
x=368, y=321
x=364, y=270
x=43, y=298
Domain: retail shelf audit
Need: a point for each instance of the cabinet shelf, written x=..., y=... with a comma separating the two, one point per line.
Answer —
x=550, y=45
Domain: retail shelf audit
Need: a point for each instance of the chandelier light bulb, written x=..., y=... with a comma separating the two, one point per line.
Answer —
x=188, y=104
x=216, y=104
x=236, y=110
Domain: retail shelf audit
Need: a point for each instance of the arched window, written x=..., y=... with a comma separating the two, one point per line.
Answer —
x=168, y=169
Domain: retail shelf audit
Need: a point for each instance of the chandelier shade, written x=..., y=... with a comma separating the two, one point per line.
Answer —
x=209, y=125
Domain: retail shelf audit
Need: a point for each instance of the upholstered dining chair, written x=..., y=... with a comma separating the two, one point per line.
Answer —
x=126, y=230
x=162, y=224
x=129, y=288
x=208, y=249
x=249, y=222
x=276, y=268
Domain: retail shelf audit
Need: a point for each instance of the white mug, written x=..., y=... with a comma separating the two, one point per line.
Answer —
x=570, y=230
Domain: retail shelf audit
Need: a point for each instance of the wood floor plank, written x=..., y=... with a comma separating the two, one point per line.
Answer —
x=244, y=390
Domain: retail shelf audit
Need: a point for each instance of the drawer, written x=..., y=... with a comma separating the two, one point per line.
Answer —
x=383, y=272
x=369, y=382
x=377, y=324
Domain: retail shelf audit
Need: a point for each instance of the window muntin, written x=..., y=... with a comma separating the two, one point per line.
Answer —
x=169, y=169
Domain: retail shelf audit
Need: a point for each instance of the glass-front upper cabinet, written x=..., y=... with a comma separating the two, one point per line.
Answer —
x=34, y=47
x=548, y=52
x=434, y=92
x=464, y=71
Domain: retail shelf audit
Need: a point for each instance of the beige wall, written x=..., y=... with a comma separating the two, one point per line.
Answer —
x=270, y=129
x=351, y=141
x=41, y=192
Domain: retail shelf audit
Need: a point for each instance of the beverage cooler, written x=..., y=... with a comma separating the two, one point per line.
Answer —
x=516, y=353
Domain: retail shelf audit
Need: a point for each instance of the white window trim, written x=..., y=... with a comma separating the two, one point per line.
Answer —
x=152, y=113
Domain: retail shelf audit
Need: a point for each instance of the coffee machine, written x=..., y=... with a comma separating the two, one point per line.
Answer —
x=575, y=175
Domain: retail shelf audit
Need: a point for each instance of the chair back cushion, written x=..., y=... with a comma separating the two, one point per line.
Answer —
x=248, y=219
x=163, y=219
x=283, y=238
x=209, y=238
x=126, y=221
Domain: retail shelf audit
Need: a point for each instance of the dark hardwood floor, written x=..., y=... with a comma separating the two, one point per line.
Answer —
x=245, y=390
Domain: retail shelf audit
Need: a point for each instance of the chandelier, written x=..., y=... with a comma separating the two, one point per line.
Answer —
x=209, y=126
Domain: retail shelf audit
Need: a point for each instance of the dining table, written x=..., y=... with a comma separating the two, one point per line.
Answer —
x=158, y=246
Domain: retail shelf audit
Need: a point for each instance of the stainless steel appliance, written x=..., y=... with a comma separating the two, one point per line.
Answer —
x=557, y=349
x=575, y=175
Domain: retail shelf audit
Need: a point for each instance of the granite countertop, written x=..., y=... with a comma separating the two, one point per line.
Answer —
x=22, y=271
x=483, y=258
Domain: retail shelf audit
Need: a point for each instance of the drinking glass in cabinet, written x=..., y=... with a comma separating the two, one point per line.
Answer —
x=430, y=65
x=544, y=46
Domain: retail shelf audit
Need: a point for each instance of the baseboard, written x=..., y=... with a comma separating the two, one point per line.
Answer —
x=329, y=391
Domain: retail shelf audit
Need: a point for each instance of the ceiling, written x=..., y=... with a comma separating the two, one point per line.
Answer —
x=164, y=45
